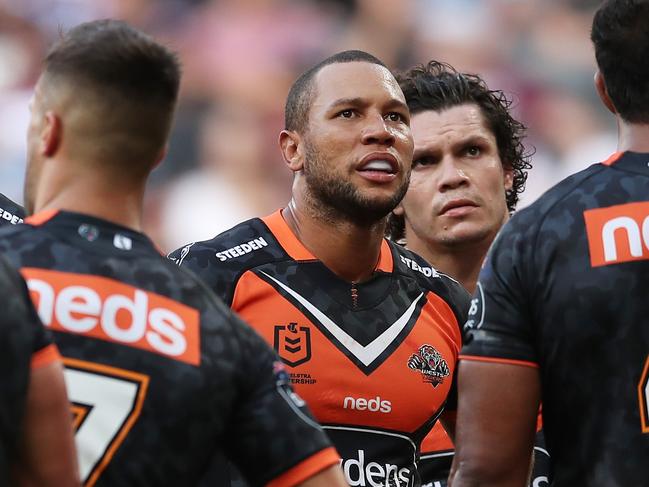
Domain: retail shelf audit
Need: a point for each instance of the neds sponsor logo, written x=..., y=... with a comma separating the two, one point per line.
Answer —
x=110, y=310
x=375, y=404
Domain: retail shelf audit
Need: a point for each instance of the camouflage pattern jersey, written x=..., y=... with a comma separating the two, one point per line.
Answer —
x=164, y=379
x=564, y=289
x=374, y=360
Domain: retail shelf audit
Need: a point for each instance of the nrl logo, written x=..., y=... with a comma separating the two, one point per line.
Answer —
x=292, y=343
x=430, y=363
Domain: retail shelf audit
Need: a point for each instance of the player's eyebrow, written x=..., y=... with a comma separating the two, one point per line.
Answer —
x=362, y=102
x=472, y=139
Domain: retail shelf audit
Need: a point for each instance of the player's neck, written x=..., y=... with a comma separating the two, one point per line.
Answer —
x=350, y=251
x=633, y=137
x=92, y=193
x=462, y=264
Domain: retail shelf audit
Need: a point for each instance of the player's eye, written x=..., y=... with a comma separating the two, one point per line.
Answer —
x=473, y=151
x=395, y=117
x=423, y=161
x=346, y=113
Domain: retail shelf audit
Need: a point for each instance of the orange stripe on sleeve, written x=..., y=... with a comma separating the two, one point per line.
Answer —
x=306, y=468
x=45, y=356
x=505, y=361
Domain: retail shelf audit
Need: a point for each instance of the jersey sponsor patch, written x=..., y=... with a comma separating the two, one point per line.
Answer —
x=374, y=458
x=110, y=310
x=618, y=233
x=292, y=343
x=242, y=249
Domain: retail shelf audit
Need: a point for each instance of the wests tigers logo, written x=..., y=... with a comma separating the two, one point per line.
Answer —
x=430, y=363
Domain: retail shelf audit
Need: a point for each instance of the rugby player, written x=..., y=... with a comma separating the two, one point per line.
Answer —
x=368, y=330
x=560, y=309
x=164, y=379
x=469, y=167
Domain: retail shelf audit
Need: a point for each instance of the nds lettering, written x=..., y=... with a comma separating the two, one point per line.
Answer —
x=110, y=310
x=618, y=233
x=374, y=474
x=375, y=404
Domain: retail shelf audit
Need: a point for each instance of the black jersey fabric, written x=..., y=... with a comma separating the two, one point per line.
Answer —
x=164, y=379
x=23, y=343
x=565, y=289
x=10, y=213
x=375, y=361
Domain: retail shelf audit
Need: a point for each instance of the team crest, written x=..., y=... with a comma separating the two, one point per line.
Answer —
x=293, y=343
x=430, y=363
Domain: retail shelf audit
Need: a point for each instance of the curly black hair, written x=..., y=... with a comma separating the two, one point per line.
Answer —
x=438, y=86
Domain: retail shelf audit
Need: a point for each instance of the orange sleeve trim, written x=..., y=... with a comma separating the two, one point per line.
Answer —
x=306, y=468
x=45, y=356
x=613, y=158
x=41, y=217
x=505, y=361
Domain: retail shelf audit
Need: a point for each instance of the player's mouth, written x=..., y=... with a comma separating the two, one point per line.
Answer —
x=378, y=167
x=458, y=208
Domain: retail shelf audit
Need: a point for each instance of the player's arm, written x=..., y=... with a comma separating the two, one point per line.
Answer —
x=496, y=424
x=47, y=455
x=448, y=420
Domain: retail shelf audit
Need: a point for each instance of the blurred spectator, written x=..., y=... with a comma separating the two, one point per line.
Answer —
x=237, y=179
x=240, y=57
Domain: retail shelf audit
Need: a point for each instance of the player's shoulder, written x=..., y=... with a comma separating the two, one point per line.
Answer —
x=244, y=246
x=409, y=263
x=571, y=193
x=16, y=236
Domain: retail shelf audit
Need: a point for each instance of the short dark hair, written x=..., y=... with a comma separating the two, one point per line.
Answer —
x=438, y=86
x=300, y=96
x=135, y=78
x=620, y=34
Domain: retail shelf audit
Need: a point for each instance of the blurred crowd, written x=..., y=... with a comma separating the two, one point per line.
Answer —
x=240, y=57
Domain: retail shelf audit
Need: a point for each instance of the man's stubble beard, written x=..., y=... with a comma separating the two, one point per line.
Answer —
x=338, y=199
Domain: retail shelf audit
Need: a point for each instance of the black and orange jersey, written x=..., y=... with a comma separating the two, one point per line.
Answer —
x=163, y=377
x=10, y=213
x=374, y=360
x=564, y=289
x=24, y=346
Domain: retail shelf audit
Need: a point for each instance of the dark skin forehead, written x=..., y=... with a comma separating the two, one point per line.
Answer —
x=357, y=84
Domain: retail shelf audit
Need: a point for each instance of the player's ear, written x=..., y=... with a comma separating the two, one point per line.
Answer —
x=50, y=137
x=291, y=145
x=508, y=178
x=600, y=86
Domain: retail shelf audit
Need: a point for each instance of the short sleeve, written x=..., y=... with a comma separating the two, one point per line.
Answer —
x=499, y=324
x=274, y=438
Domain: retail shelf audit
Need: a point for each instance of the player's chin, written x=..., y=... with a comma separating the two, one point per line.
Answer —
x=464, y=232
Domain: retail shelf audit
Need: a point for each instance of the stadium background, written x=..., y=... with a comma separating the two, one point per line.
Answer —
x=240, y=57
